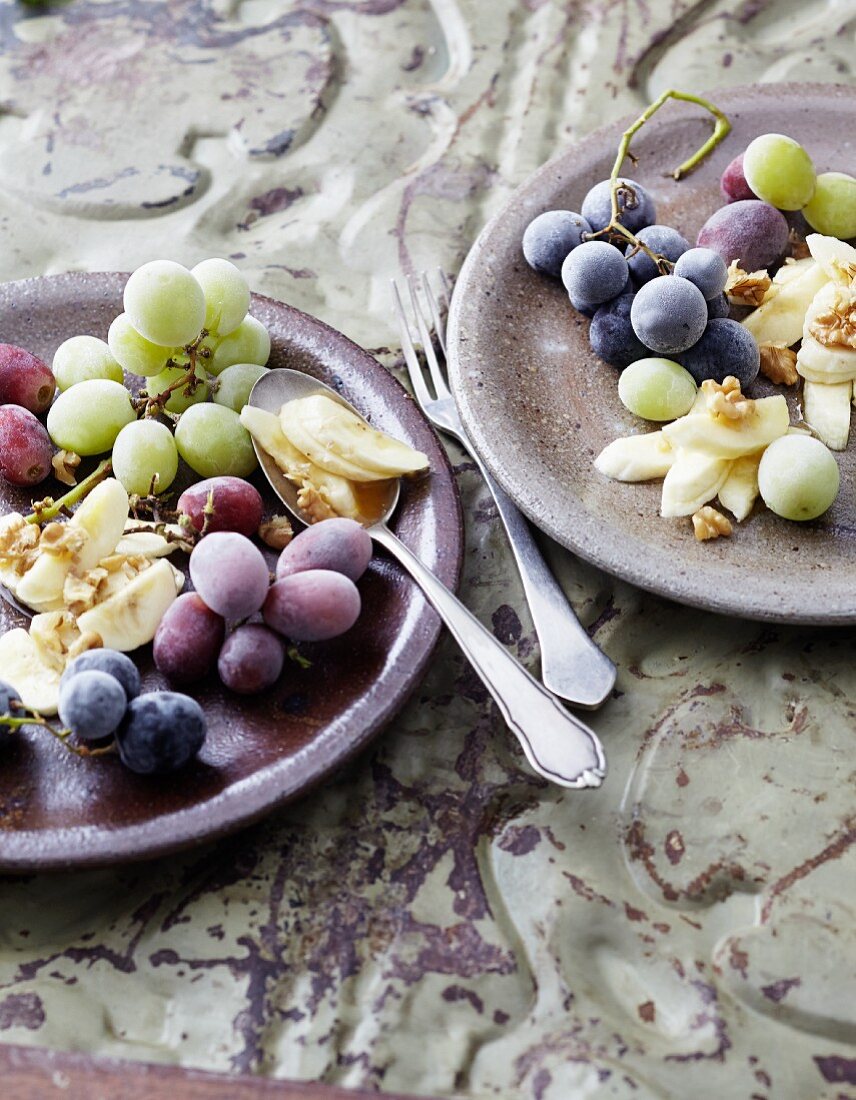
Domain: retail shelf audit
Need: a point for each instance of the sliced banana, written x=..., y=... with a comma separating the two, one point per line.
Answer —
x=739, y=491
x=837, y=258
x=130, y=618
x=337, y=440
x=731, y=438
x=826, y=409
x=818, y=363
x=692, y=481
x=636, y=457
x=36, y=684
x=145, y=544
x=779, y=319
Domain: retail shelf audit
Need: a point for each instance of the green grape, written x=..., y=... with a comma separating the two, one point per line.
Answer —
x=227, y=296
x=212, y=441
x=87, y=418
x=235, y=384
x=83, y=358
x=249, y=343
x=779, y=171
x=798, y=477
x=142, y=450
x=832, y=210
x=165, y=303
x=657, y=389
x=178, y=401
x=134, y=352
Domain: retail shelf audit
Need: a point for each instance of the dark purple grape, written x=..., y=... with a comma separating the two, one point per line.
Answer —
x=587, y=309
x=115, y=664
x=718, y=307
x=663, y=240
x=25, y=447
x=92, y=704
x=161, y=732
x=8, y=696
x=668, y=315
x=705, y=269
x=733, y=183
x=237, y=505
x=595, y=273
x=550, y=237
x=188, y=639
x=635, y=205
x=230, y=574
x=726, y=347
x=312, y=606
x=750, y=231
x=251, y=659
x=611, y=334
x=25, y=380
x=338, y=544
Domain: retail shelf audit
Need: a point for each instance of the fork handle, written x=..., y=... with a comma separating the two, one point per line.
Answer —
x=556, y=743
x=572, y=666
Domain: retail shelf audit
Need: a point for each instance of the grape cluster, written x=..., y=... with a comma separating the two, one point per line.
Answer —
x=99, y=697
x=313, y=598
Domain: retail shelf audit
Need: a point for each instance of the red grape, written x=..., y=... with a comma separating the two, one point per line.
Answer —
x=338, y=544
x=188, y=639
x=230, y=574
x=25, y=447
x=312, y=606
x=733, y=183
x=750, y=231
x=25, y=380
x=237, y=505
x=251, y=659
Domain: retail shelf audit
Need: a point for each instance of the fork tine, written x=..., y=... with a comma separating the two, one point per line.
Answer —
x=411, y=359
x=426, y=341
x=436, y=312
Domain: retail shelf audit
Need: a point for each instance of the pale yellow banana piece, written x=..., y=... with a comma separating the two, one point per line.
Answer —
x=837, y=258
x=636, y=457
x=130, y=618
x=36, y=684
x=790, y=269
x=722, y=438
x=779, y=320
x=818, y=363
x=146, y=544
x=826, y=409
x=692, y=481
x=739, y=491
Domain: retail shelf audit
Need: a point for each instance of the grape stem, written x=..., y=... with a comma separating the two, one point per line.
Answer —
x=188, y=383
x=722, y=128
x=33, y=718
x=48, y=509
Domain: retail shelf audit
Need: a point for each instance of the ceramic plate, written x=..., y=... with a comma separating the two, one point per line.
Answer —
x=539, y=406
x=60, y=811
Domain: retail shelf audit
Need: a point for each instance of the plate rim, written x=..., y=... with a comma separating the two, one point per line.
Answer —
x=89, y=846
x=482, y=440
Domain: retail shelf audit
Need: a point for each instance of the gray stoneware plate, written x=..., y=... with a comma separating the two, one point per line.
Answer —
x=539, y=405
x=59, y=811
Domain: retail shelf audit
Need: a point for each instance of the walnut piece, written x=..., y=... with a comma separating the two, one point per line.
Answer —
x=19, y=542
x=64, y=465
x=708, y=523
x=779, y=364
x=725, y=399
x=310, y=501
x=277, y=533
x=746, y=288
x=835, y=326
x=799, y=249
x=63, y=540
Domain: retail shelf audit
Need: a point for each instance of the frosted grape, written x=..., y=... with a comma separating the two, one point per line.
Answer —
x=832, y=210
x=182, y=398
x=663, y=240
x=133, y=352
x=230, y=574
x=779, y=171
x=227, y=296
x=668, y=315
x=611, y=333
x=251, y=659
x=726, y=347
x=165, y=303
x=143, y=450
x=657, y=389
x=594, y=273
x=750, y=231
x=82, y=358
x=88, y=417
x=25, y=449
x=635, y=205
x=798, y=477
x=704, y=268
x=236, y=384
x=249, y=343
x=212, y=441
x=25, y=379
x=313, y=606
x=340, y=545
x=550, y=237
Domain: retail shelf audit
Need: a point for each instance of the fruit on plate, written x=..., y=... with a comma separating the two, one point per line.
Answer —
x=663, y=241
x=92, y=704
x=236, y=383
x=230, y=574
x=832, y=209
x=669, y=315
x=87, y=417
x=188, y=639
x=312, y=606
x=227, y=296
x=704, y=268
x=635, y=205
x=213, y=442
x=338, y=440
x=179, y=398
x=129, y=619
x=657, y=389
x=25, y=447
x=724, y=349
x=341, y=545
x=780, y=318
x=549, y=238
x=750, y=231
x=222, y=504
x=779, y=171
x=733, y=182
x=636, y=457
x=594, y=273
x=82, y=359
x=165, y=303
x=826, y=355
x=161, y=732
x=693, y=479
x=115, y=664
x=251, y=659
x=36, y=684
x=249, y=343
x=145, y=457
x=133, y=351
x=721, y=437
x=25, y=380
x=611, y=333
x=826, y=409
x=798, y=477
x=739, y=491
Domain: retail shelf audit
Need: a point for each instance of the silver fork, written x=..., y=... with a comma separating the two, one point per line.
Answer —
x=572, y=666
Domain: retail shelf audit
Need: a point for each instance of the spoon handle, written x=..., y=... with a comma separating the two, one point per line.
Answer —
x=556, y=743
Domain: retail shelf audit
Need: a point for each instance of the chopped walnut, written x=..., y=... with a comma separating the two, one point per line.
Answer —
x=725, y=399
x=63, y=540
x=310, y=501
x=779, y=364
x=19, y=542
x=836, y=325
x=746, y=288
x=708, y=523
x=64, y=465
x=799, y=249
x=53, y=634
x=79, y=593
x=277, y=533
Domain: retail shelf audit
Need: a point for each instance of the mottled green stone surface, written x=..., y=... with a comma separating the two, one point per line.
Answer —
x=437, y=920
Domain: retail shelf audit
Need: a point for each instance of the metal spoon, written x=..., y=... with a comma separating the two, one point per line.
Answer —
x=556, y=743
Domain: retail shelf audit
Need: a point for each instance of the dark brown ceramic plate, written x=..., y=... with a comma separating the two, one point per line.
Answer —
x=60, y=811
x=539, y=406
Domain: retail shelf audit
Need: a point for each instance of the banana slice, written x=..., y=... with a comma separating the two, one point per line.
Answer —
x=636, y=457
x=817, y=363
x=36, y=684
x=779, y=319
x=265, y=428
x=739, y=491
x=730, y=439
x=145, y=544
x=827, y=411
x=692, y=481
x=837, y=258
x=339, y=441
x=130, y=618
